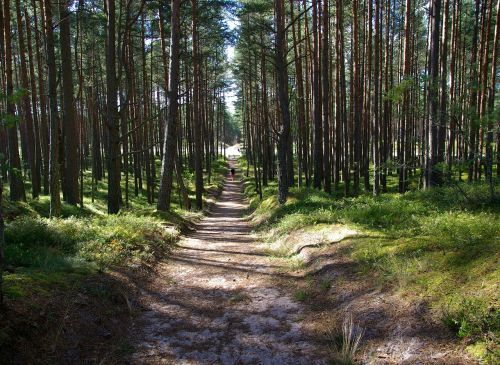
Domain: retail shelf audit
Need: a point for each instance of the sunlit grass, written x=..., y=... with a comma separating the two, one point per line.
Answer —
x=440, y=245
x=43, y=252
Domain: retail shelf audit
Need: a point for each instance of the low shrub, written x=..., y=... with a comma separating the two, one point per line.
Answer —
x=109, y=240
x=462, y=230
x=471, y=317
x=436, y=244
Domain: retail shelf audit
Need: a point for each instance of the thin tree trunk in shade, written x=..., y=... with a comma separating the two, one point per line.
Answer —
x=112, y=123
x=69, y=118
x=27, y=114
x=325, y=93
x=16, y=183
x=55, y=199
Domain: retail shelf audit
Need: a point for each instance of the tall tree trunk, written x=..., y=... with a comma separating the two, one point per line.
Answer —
x=113, y=155
x=375, y=105
x=491, y=105
x=443, y=84
x=473, y=95
x=197, y=120
x=282, y=78
x=69, y=120
x=325, y=93
x=16, y=183
x=343, y=127
x=34, y=98
x=44, y=127
x=299, y=84
x=55, y=199
x=452, y=93
x=367, y=96
x=26, y=107
x=405, y=119
x=357, y=98
x=170, y=140
x=316, y=91
x=432, y=174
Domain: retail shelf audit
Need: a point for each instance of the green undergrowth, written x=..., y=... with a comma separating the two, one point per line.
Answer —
x=440, y=245
x=85, y=256
x=39, y=249
x=44, y=252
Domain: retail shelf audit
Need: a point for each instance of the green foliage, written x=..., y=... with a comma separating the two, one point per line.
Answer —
x=396, y=93
x=300, y=295
x=470, y=317
x=462, y=230
x=51, y=244
x=9, y=120
x=438, y=244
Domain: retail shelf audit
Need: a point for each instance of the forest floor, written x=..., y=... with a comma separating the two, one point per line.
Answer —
x=222, y=298
x=272, y=287
x=215, y=300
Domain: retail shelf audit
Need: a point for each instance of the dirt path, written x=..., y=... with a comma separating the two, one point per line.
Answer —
x=214, y=302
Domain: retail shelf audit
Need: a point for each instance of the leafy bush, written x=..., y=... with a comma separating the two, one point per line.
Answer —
x=470, y=317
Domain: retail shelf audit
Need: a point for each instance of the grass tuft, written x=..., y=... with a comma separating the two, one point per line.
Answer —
x=345, y=345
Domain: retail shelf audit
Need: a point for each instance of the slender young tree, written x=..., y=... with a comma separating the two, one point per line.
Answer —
x=282, y=84
x=325, y=93
x=112, y=122
x=316, y=96
x=406, y=114
x=27, y=114
x=357, y=95
x=491, y=105
x=55, y=187
x=44, y=127
x=432, y=175
x=16, y=183
x=170, y=139
x=197, y=117
x=71, y=190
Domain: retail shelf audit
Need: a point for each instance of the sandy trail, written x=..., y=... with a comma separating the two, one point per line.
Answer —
x=214, y=302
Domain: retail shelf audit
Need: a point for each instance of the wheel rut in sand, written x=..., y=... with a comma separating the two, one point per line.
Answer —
x=214, y=301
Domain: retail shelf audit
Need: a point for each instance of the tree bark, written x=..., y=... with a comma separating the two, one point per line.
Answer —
x=432, y=156
x=44, y=127
x=26, y=106
x=170, y=141
x=316, y=91
x=197, y=120
x=405, y=119
x=357, y=95
x=325, y=94
x=282, y=83
x=55, y=187
x=68, y=120
x=113, y=155
x=16, y=183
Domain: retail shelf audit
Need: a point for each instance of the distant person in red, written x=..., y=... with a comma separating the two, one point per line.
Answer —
x=232, y=174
